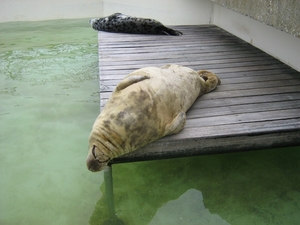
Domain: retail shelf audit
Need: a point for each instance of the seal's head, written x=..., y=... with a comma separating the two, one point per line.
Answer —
x=94, y=22
x=211, y=80
x=97, y=159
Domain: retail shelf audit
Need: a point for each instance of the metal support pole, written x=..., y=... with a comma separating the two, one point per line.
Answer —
x=109, y=193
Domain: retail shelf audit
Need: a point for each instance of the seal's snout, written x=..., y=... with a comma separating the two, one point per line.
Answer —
x=96, y=161
x=91, y=21
x=93, y=164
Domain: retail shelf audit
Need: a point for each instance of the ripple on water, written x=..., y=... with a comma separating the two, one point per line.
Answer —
x=74, y=62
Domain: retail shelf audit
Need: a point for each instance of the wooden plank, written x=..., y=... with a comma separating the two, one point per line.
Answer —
x=113, y=74
x=239, y=93
x=242, y=108
x=234, y=130
x=226, y=102
x=257, y=105
x=244, y=117
x=186, y=61
x=239, y=76
x=234, y=83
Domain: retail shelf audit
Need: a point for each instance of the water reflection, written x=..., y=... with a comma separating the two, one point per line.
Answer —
x=188, y=209
x=259, y=187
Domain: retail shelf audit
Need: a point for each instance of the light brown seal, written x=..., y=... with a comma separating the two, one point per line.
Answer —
x=146, y=105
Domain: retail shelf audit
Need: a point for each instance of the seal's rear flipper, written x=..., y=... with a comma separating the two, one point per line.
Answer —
x=169, y=31
x=130, y=80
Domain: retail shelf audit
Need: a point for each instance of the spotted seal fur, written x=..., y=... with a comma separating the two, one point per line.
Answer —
x=120, y=23
x=148, y=104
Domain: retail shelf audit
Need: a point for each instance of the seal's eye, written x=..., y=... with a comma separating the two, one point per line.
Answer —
x=93, y=151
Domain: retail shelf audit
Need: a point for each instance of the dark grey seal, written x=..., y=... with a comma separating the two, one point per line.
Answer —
x=120, y=23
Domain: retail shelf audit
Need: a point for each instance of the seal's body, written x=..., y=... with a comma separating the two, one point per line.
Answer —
x=121, y=23
x=148, y=104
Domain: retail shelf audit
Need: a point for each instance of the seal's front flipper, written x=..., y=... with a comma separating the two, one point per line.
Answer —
x=176, y=125
x=130, y=80
x=169, y=31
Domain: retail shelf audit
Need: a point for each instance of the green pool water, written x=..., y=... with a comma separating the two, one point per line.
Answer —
x=49, y=95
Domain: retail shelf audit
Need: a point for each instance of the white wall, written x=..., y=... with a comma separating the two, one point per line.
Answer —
x=169, y=12
x=279, y=44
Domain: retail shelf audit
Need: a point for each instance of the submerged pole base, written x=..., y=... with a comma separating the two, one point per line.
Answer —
x=115, y=221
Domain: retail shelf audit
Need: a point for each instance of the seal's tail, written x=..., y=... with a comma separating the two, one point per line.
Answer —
x=211, y=80
x=169, y=31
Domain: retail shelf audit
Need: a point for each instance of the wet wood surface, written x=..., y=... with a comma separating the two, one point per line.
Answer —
x=257, y=106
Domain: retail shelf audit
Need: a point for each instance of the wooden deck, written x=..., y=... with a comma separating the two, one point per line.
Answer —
x=257, y=106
